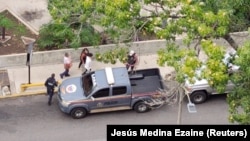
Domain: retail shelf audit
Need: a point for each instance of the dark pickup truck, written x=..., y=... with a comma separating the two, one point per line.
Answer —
x=109, y=89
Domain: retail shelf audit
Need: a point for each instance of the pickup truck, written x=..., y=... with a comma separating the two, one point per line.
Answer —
x=200, y=91
x=109, y=89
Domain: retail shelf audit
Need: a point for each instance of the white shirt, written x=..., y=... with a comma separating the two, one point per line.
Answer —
x=66, y=60
x=87, y=63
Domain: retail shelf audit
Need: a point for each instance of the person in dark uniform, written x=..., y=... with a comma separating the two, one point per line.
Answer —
x=132, y=61
x=50, y=84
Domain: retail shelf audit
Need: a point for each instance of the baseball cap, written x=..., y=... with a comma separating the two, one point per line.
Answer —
x=131, y=52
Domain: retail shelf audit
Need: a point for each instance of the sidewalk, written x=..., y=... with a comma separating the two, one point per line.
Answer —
x=38, y=74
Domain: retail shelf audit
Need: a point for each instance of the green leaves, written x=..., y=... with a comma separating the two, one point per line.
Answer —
x=113, y=55
x=184, y=61
x=204, y=22
x=5, y=22
x=239, y=99
x=213, y=50
x=53, y=36
x=205, y=30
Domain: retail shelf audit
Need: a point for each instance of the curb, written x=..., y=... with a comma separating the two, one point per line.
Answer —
x=23, y=94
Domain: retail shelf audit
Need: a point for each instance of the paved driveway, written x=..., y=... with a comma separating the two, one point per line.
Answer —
x=33, y=13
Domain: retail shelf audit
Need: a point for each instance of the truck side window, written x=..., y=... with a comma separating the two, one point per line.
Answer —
x=101, y=93
x=119, y=90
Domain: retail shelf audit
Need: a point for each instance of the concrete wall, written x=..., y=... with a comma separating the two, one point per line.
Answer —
x=143, y=48
x=56, y=56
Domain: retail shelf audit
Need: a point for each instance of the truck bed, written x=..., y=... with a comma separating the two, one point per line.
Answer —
x=147, y=80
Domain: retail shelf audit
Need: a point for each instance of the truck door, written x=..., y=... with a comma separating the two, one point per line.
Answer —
x=101, y=98
x=120, y=96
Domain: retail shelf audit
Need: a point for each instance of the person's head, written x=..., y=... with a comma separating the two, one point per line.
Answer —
x=53, y=75
x=66, y=54
x=131, y=52
x=85, y=50
x=89, y=54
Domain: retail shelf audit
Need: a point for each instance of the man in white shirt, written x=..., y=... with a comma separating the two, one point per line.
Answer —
x=67, y=65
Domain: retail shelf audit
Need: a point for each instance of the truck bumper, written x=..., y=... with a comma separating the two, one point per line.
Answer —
x=63, y=108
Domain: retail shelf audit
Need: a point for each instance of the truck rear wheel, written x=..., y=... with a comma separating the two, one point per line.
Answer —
x=78, y=113
x=141, y=107
x=198, y=97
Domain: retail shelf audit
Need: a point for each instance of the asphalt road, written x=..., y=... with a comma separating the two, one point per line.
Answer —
x=31, y=119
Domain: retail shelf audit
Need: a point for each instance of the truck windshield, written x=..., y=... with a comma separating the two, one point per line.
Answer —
x=88, y=82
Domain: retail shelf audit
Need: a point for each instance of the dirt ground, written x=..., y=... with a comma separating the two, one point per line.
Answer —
x=14, y=45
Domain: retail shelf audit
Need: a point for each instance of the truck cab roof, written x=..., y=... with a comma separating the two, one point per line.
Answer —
x=111, y=76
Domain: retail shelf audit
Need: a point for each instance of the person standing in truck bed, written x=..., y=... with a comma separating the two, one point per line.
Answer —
x=132, y=60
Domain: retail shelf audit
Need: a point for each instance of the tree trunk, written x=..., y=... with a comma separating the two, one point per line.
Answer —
x=3, y=33
x=231, y=41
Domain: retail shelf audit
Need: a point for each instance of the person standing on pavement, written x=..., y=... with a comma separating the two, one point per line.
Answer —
x=50, y=84
x=83, y=57
x=87, y=64
x=67, y=65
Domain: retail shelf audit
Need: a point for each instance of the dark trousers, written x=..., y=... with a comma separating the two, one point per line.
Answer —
x=50, y=92
x=65, y=73
x=130, y=66
x=80, y=64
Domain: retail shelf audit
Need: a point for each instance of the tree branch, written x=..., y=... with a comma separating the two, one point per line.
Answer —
x=231, y=41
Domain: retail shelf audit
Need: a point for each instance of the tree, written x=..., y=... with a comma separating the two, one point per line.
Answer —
x=198, y=21
x=4, y=23
x=204, y=21
x=118, y=19
x=71, y=20
x=239, y=99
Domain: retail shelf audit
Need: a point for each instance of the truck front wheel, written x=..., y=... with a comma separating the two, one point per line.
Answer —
x=141, y=107
x=198, y=97
x=78, y=113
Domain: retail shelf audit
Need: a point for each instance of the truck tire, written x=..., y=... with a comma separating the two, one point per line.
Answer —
x=78, y=113
x=141, y=107
x=198, y=97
